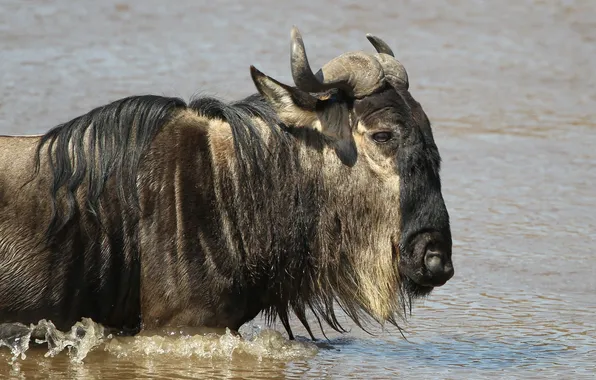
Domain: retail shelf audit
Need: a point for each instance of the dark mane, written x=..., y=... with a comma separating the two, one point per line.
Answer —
x=110, y=141
x=240, y=114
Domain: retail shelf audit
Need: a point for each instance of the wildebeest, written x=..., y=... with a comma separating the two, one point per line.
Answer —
x=149, y=212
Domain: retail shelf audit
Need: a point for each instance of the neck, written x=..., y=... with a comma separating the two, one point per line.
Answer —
x=298, y=212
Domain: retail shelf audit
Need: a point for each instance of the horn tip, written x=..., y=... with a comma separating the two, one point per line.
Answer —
x=295, y=33
x=372, y=38
x=296, y=44
x=379, y=45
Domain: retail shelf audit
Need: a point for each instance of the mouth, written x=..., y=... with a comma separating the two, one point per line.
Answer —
x=411, y=280
x=419, y=282
x=415, y=289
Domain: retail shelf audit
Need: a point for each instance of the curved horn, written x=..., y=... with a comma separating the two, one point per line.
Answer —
x=380, y=45
x=395, y=72
x=356, y=73
x=301, y=71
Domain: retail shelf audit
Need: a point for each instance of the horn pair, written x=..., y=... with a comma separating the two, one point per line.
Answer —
x=357, y=73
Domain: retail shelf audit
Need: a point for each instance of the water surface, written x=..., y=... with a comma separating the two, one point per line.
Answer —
x=511, y=90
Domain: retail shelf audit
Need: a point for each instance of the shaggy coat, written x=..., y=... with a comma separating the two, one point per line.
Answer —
x=150, y=212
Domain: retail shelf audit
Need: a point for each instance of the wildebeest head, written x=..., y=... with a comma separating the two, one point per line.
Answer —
x=387, y=165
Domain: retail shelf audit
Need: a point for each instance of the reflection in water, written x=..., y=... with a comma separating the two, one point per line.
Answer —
x=510, y=89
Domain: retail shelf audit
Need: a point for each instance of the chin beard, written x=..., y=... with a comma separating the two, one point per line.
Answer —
x=413, y=290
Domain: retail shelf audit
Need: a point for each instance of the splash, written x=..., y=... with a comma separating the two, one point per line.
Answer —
x=252, y=342
x=86, y=336
x=16, y=338
x=82, y=337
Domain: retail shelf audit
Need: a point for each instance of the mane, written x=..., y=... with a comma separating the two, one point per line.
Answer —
x=240, y=115
x=109, y=140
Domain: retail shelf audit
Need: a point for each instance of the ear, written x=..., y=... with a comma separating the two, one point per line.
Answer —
x=300, y=109
x=293, y=106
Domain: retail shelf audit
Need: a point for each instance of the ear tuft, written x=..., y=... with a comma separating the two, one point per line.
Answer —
x=257, y=76
x=273, y=91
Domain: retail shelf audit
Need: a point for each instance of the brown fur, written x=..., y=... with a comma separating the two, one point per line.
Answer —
x=208, y=214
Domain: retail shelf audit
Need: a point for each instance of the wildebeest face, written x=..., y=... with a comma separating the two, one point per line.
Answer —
x=374, y=122
x=395, y=136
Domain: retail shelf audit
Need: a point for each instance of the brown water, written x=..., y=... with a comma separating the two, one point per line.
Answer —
x=511, y=89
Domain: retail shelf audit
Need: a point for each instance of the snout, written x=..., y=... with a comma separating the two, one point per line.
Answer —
x=427, y=260
x=438, y=264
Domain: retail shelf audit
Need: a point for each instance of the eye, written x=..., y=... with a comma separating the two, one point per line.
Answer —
x=382, y=137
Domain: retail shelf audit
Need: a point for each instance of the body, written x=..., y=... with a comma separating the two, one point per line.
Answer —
x=150, y=212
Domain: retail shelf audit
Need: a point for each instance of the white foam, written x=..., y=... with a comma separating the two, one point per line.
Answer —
x=86, y=336
x=263, y=343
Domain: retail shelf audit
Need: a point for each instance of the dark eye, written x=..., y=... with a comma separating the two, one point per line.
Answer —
x=382, y=137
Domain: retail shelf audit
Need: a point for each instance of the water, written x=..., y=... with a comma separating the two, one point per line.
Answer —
x=511, y=90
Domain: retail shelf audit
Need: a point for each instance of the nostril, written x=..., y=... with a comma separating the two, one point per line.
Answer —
x=434, y=262
x=431, y=263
